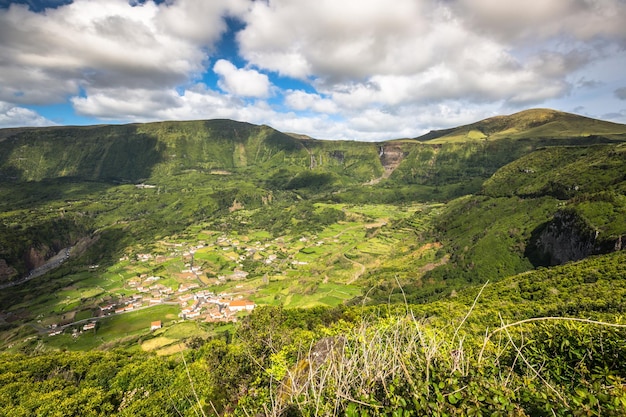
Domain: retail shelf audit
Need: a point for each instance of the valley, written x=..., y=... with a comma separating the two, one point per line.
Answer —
x=203, y=271
x=239, y=258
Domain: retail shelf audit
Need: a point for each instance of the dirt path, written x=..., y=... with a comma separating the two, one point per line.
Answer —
x=359, y=273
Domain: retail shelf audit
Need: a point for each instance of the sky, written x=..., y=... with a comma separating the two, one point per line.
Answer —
x=330, y=69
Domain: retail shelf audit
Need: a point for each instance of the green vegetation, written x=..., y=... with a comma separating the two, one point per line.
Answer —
x=534, y=123
x=490, y=350
x=123, y=249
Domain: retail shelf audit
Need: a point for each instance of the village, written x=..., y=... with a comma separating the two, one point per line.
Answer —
x=211, y=276
x=189, y=287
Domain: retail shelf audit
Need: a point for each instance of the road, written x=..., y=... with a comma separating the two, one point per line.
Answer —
x=52, y=263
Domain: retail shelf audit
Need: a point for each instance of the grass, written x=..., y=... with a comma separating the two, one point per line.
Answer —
x=187, y=329
x=120, y=327
x=401, y=364
x=291, y=294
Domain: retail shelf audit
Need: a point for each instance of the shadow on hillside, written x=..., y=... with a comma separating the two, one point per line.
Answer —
x=107, y=246
x=51, y=178
x=117, y=154
x=537, y=256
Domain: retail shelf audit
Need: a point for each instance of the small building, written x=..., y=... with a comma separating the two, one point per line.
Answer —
x=155, y=325
x=89, y=326
x=240, y=305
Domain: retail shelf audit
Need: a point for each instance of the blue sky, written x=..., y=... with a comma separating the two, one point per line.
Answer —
x=350, y=69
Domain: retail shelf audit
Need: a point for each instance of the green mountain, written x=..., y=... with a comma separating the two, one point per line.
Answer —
x=354, y=254
x=534, y=123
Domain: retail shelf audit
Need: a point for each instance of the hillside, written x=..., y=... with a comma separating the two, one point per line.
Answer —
x=534, y=123
x=106, y=230
x=516, y=347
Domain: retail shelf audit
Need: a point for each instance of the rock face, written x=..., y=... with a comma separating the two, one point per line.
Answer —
x=390, y=157
x=567, y=237
x=35, y=257
x=6, y=272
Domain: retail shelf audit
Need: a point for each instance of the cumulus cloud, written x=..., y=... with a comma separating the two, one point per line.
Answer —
x=136, y=104
x=301, y=100
x=343, y=39
x=187, y=19
x=348, y=69
x=13, y=116
x=196, y=102
x=88, y=44
x=533, y=20
x=241, y=82
x=361, y=54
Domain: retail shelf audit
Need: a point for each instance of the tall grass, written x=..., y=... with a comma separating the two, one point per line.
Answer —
x=402, y=366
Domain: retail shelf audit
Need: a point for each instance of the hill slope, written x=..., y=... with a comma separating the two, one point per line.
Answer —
x=534, y=123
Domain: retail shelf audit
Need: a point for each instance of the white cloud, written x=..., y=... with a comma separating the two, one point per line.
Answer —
x=368, y=70
x=301, y=100
x=196, y=102
x=125, y=103
x=13, y=116
x=349, y=38
x=363, y=54
x=89, y=44
x=187, y=19
x=241, y=82
x=535, y=20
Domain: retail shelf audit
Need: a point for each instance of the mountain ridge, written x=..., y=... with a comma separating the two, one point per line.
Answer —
x=521, y=124
x=538, y=122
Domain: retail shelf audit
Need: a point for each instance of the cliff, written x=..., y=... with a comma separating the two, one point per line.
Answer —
x=568, y=237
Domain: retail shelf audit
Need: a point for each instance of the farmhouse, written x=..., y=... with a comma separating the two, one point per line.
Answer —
x=240, y=305
x=89, y=326
x=155, y=325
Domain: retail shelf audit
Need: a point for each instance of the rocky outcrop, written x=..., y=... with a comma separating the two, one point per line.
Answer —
x=34, y=257
x=6, y=272
x=568, y=237
x=390, y=157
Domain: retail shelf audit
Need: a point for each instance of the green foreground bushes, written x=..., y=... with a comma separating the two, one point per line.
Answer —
x=385, y=364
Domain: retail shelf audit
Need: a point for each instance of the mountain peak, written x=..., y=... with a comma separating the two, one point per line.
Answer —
x=531, y=123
